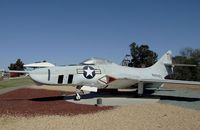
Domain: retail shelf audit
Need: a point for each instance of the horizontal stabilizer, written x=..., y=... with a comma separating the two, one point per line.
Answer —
x=181, y=65
x=184, y=65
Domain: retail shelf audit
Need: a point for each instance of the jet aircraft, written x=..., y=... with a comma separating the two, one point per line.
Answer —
x=93, y=74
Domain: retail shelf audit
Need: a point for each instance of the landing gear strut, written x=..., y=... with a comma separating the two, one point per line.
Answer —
x=77, y=97
x=140, y=88
x=78, y=91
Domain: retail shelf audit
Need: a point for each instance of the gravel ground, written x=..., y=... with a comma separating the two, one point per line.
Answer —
x=139, y=117
x=31, y=102
x=49, y=106
x=187, y=96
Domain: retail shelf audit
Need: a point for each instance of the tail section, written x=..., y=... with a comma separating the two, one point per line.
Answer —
x=163, y=66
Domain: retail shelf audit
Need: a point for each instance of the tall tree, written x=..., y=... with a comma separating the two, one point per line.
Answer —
x=142, y=56
x=18, y=65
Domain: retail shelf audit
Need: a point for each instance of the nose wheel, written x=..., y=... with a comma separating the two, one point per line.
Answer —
x=78, y=92
x=77, y=97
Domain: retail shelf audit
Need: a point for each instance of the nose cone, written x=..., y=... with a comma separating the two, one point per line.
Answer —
x=40, y=75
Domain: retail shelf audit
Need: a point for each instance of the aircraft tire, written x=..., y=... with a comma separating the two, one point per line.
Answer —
x=77, y=97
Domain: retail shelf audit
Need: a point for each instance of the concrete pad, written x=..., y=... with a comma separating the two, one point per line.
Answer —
x=114, y=101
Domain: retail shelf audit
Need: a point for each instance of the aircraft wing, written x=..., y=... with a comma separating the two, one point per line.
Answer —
x=170, y=81
x=130, y=82
x=125, y=82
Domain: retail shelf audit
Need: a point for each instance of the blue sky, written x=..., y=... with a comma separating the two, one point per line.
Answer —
x=69, y=31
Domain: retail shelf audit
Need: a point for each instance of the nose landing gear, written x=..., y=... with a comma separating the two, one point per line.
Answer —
x=78, y=92
x=77, y=97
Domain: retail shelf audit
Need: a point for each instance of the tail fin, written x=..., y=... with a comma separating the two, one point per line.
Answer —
x=163, y=66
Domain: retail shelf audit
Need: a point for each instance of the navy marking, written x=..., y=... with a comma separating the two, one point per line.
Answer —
x=88, y=72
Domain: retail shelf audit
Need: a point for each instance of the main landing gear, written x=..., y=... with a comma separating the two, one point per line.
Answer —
x=140, y=89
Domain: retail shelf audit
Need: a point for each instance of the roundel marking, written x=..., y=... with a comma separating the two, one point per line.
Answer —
x=88, y=72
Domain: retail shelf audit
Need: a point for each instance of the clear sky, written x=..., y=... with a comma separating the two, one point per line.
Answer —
x=69, y=31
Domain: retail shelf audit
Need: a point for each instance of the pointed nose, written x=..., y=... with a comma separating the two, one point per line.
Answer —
x=40, y=75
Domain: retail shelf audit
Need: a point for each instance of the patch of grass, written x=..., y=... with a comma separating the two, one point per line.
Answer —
x=1, y=76
x=15, y=82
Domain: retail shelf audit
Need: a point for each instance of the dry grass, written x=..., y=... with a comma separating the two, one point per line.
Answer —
x=140, y=116
x=57, y=88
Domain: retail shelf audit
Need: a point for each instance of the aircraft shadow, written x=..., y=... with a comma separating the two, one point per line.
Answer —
x=117, y=95
x=173, y=98
x=46, y=99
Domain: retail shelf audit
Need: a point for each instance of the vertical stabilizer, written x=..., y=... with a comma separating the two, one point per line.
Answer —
x=163, y=66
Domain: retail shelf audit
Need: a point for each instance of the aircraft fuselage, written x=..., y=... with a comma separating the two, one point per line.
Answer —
x=100, y=76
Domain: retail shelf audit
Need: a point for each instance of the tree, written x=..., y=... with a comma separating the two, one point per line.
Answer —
x=18, y=65
x=142, y=56
x=187, y=56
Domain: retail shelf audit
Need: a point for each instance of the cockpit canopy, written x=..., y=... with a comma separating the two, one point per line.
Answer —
x=95, y=61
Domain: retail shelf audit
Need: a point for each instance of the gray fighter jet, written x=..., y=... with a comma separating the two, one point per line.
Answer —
x=94, y=74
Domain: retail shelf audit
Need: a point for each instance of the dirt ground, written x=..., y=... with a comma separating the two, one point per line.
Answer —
x=194, y=88
x=31, y=102
x=50, y=116
x=141, y=116
x=56, y=88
